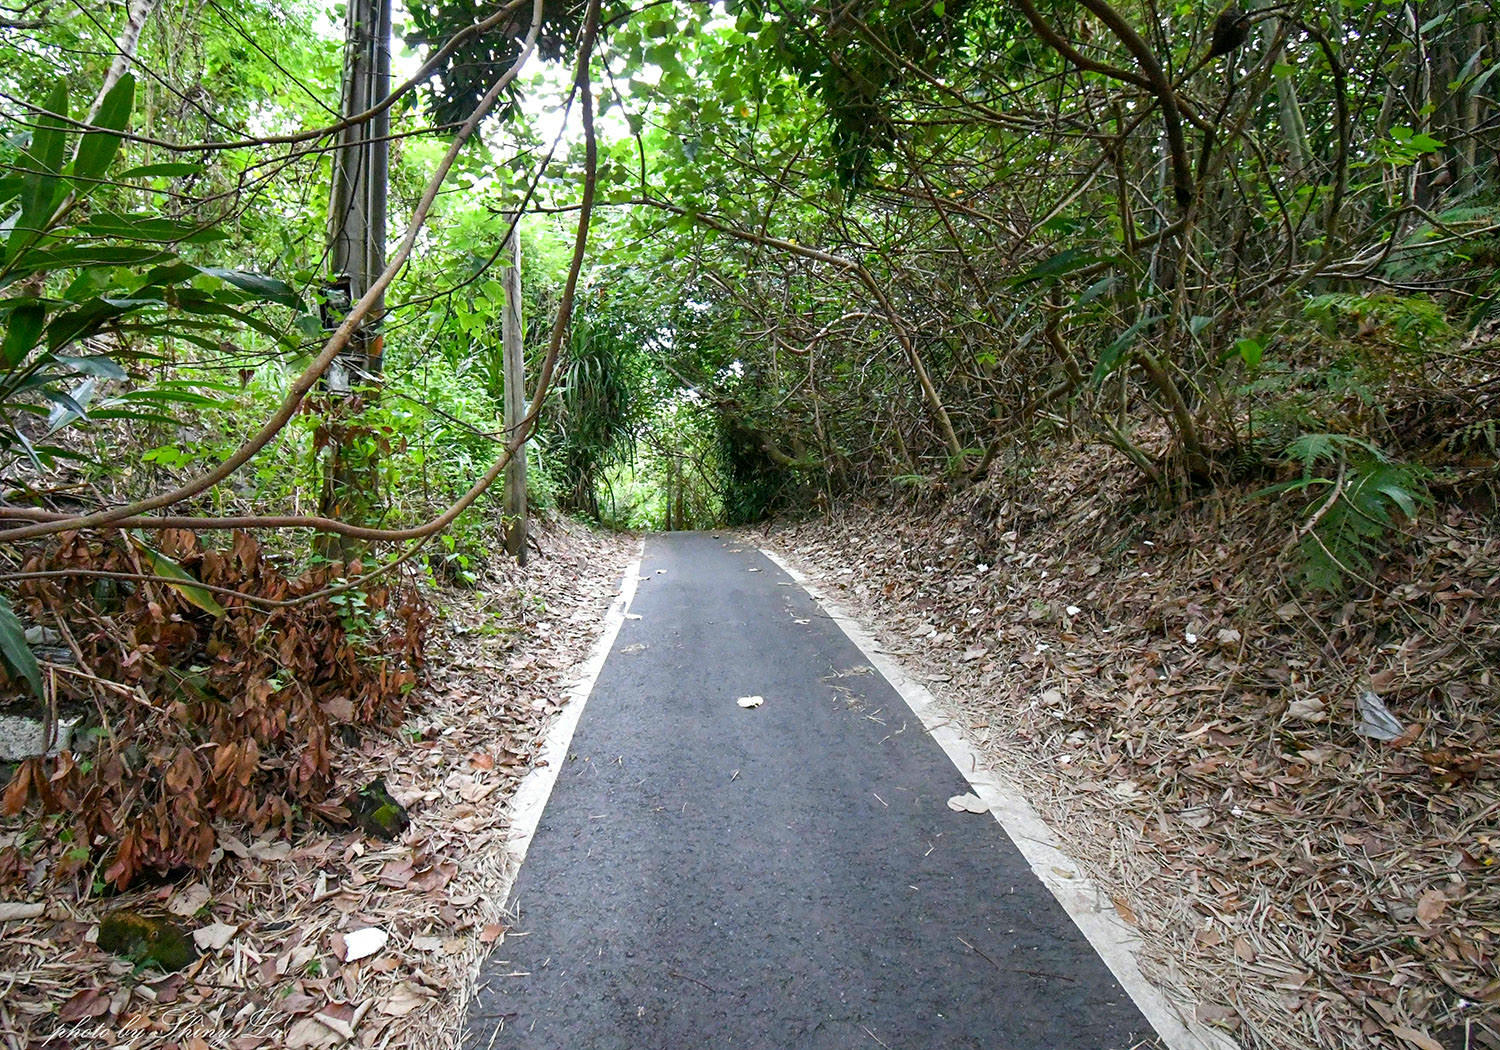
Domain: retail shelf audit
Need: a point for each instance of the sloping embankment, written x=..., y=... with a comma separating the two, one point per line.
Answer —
x=1185, y=715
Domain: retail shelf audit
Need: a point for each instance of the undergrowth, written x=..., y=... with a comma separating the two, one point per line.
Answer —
x=204, y=709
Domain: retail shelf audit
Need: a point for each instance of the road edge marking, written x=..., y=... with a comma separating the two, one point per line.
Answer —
x=1109, y=935
x=531, y=795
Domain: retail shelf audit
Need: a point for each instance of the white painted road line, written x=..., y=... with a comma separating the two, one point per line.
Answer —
x=1086, y=904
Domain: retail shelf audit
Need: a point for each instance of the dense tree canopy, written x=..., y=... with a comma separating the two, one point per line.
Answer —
x=854, y=245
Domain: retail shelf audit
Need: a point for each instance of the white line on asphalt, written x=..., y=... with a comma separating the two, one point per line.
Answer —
x=536, y=787
x=1085, y=903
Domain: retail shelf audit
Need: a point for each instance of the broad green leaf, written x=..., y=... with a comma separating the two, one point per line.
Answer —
x=1064, y=262
x=1400, y=497
x=1098, y=288
x=1250, y=351
x=66, y=407
x=268, y=288
x=102, y=367
x=150, y=228
x=44, y=163
x=18, y=655
x=89, y=318
x=98, y=148
x=1110, y=359
x=173, y=397
x=21, y=333
x=86, y=255
x=189, y=303
x=179, y=579
x=174, y=169
x=142, y=417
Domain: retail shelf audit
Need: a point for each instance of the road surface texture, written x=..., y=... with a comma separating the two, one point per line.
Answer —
x=782, y=877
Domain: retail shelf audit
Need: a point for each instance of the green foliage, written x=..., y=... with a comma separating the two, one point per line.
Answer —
x=80, y=279
x=478, y=62
x=853, y=60
x=1351, y=513
x=593, y=426
x=17, y=652
x=1406, y=323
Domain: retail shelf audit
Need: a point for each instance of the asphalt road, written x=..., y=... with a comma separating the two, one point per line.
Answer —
x=784, y=877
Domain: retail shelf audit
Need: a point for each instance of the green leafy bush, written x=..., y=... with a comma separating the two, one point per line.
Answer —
x=1351, y=512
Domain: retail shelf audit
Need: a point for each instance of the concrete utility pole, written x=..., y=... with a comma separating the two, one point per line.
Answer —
x=356, y=216
x=356, y=228
x=514, y=360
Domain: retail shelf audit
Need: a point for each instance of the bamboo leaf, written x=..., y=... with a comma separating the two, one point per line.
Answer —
x=44, y=163
x=98, y=148
x=179, y=579
x=18, y=655
x=258, y=284
x=21, y=333
x=174, y=169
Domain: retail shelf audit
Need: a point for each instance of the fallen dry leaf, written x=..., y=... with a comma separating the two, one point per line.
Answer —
x=1308, y=709
x=11, y=910
x=87, y=1004
x=188, y=900
x=1431, y=907
x=1416, y=1038
x=214, y=936
x=310, y=1032
x=406, y=998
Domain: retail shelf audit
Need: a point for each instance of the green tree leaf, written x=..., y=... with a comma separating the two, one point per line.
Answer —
x=98, y=148
x=179, y=579
x=18, y=655
x=23, y=329
x=44, y=162
x=268, y=288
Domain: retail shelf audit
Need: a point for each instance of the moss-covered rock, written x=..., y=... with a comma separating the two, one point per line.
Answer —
x=146, y=940
x=376, y=812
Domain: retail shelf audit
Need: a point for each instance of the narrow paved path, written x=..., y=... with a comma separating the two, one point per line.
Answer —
x=786, y=877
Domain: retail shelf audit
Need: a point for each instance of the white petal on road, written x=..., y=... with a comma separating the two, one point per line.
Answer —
x=751, y=701
x=967, y=804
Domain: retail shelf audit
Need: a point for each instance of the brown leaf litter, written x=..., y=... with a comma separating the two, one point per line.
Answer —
x=330, y=939
x=1185, y=718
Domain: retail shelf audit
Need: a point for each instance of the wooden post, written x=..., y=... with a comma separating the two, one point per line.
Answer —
x=514, y=360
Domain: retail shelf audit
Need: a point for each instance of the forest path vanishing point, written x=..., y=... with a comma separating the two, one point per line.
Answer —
x=709, y=871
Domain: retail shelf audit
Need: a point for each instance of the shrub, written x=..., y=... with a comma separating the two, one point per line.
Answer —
x=206, y=712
